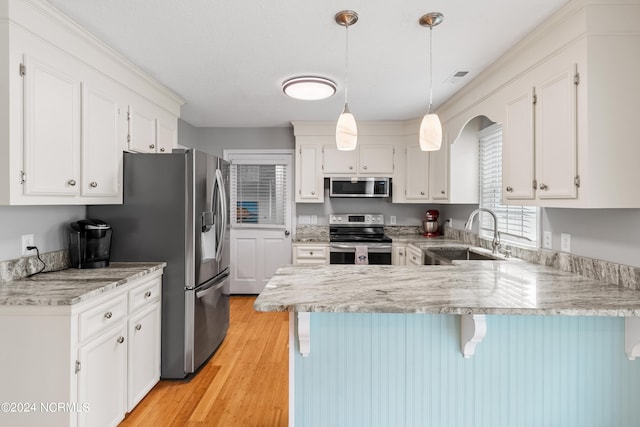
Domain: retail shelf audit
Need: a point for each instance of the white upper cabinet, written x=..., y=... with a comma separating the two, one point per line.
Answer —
x=365, y=160
x=142, y=131
x=564, y=95
x=416, y=187
x=439, y=170
x=101, y=144
x=336, y=161
x=51, y=130
x=64, y=124
x=309, y=179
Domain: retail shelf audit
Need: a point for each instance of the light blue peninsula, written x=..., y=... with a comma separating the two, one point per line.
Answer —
x=477, y=343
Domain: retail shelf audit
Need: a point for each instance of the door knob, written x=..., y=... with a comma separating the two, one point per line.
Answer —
x=286, y=232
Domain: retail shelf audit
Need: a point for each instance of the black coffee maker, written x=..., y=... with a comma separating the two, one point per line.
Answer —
x=89, y=243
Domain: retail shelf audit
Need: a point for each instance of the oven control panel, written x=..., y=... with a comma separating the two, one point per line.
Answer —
x=356, y=219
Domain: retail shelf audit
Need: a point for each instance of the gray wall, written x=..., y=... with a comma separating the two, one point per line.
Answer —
x=48, y=224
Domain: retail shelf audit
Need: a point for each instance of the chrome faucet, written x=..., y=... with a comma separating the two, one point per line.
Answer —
x=495, y=244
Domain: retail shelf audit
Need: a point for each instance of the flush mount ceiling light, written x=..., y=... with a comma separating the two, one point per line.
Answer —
x=346, y=129
x=309, y=88
x=430, y=128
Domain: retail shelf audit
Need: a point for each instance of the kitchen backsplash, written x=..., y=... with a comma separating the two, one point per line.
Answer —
x=22, y=267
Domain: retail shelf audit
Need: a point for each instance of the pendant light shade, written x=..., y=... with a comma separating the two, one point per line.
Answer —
x=346, y=131
x=430, y=133
x=430, y=128
x=346, y=128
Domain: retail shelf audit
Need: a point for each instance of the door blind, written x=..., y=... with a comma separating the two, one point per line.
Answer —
x=258, y=194
x=517, y=224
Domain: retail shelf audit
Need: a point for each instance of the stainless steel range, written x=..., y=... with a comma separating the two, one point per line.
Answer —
x=358, y=239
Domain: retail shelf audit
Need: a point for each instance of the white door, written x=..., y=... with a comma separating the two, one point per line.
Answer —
x=261, y=210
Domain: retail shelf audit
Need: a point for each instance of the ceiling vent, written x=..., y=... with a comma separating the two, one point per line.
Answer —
x=456, y=77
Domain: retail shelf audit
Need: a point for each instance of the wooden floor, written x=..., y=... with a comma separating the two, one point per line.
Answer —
x=244, y=384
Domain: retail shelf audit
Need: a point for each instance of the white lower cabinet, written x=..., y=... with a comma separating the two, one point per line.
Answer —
x=316, y=253
x=399, y=254
x=98, y=358
x=414, y=255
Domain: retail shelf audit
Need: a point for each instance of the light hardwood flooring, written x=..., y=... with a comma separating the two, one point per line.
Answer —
x=245, y=383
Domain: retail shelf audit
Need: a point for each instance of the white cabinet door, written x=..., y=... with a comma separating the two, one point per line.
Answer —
x=518, y=173
x=144, y=354
x=336, y=161
x=102, y=378
x=167, y=136
x=317, y=253
x=142, y=131
x=399, y=255
x=51, y=130
x=101, y=144
x=375, y=159
x=556, y=145
x=416, y=174
x=439, y=180
x=309, y=179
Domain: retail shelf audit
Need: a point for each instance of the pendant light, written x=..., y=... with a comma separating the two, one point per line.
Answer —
x=346, y=129
x=430, y=128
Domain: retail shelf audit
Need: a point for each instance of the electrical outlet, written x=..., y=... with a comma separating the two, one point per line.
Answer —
x=565, y=242
x=28, y=240
x=392, y=220
x=547, y=240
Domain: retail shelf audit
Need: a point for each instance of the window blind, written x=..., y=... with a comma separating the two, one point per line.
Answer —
x=258, y=194
x=517, y=224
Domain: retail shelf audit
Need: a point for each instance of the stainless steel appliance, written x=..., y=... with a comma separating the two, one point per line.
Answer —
x=89, y=243
x=350, y=233
x=176, y=209
x=359, y=187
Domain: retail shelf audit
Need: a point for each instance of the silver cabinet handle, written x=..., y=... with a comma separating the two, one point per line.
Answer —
x=120, y=339
x=108, y=315
x=543, y=187
x=509, y=189
x=93, y=184
x=147, y=294
x=72, y=182
x=138, y=327
x=152, y=146
x=162, y=150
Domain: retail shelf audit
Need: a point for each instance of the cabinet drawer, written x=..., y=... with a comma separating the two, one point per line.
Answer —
x=311, y=252
x=145, y=294
x=101, y=317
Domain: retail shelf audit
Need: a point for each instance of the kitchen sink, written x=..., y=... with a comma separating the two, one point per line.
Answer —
x=444, y=256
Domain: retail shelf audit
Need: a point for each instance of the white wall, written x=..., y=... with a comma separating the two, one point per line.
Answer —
x=48, y=224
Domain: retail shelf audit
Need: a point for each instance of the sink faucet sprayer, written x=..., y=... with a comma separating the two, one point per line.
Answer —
x=495, y=244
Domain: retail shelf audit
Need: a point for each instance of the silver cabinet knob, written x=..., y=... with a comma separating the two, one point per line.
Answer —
x=93, y=184
x=147, y=294
x=351, y=168
x=311, y=253
x=120, y=339
x=509, y=189
x=442, y=192
x=72, y=182
x=108, y=315
x=287, y=232
x=152, y=146
x=543, y=187
x=313, y=193
x=365, y=167
x=138, y=327
x=162, y=150
x=422, y=193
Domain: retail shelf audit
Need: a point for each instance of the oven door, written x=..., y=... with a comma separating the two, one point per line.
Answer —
x=345, y=253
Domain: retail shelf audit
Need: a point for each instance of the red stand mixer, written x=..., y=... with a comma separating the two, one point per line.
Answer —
x=430, y=223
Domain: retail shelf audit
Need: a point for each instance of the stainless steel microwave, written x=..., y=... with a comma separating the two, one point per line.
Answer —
x=360, y=187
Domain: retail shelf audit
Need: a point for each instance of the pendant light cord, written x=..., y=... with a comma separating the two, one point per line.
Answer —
x=430, y=68
x=346, y=61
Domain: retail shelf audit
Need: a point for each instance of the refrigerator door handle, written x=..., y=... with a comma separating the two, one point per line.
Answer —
x=223, y=208
x=203, y=292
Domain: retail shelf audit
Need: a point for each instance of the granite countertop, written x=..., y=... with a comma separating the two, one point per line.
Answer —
x=511, y=287
x=72, y=286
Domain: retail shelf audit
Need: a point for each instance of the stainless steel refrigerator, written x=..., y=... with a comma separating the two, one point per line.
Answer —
x=176, y=209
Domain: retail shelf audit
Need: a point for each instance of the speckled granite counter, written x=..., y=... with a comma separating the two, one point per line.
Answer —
x=71, y=286
x=509, y=286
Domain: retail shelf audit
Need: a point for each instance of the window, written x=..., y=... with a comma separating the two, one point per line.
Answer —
x=516, y=224
x=259, y=194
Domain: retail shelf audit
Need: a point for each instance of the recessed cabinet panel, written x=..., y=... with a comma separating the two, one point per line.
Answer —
x=518, y=147
x=142, y=131
x=101, y=146
x=51, y=130
x=339, y=162
x=376, y=160
x=417, y=174
x=144, y=354
x=440, y=172
x=309, y=179
x=556, y=135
